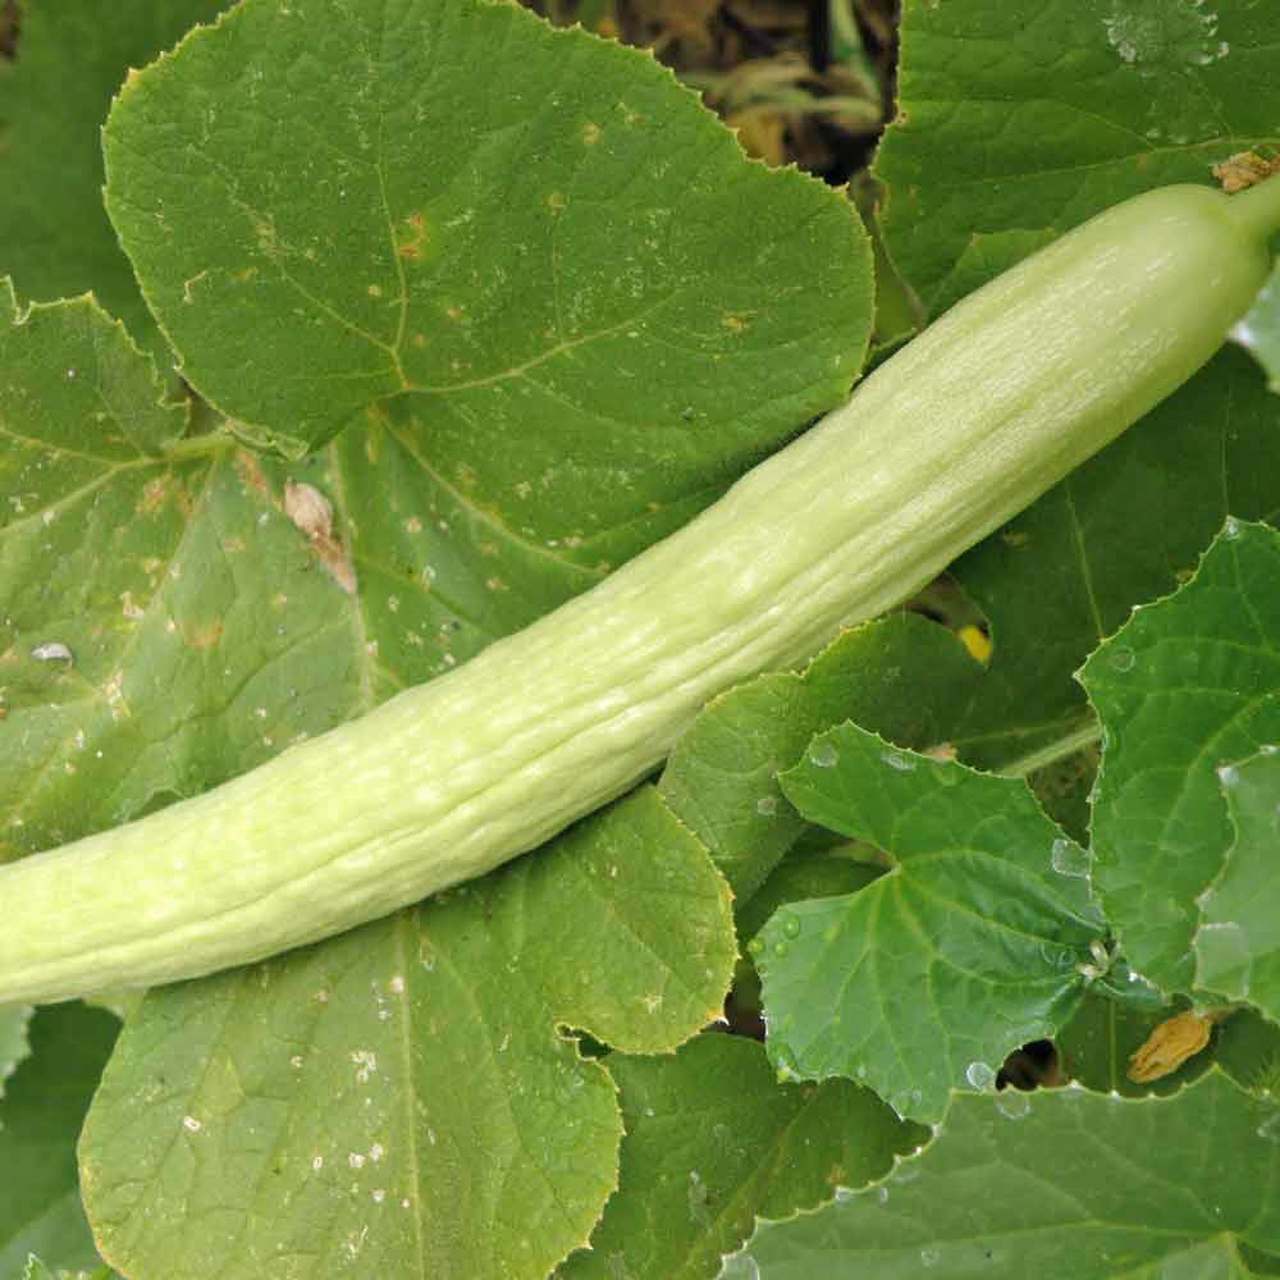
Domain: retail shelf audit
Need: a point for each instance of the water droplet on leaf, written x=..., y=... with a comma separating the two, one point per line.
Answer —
x=1013, y=1103
x=1121, y=658
x=980, y=1076
x=1067, y=858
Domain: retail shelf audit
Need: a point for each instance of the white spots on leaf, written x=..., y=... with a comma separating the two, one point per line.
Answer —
x=52, y=651
x=396, y=985
x=191, y=1124
x=187, y=285
x=113, y=692
x=366, y=1062
x=376, y=1152
x=356, y=1159
x=354, y=1243
x=130, y=608
x=1169, y=33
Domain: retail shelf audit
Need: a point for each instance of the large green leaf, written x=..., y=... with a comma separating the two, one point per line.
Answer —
x=1238, y=943
x=979, y=939
x=40, y=1117
x=1021, y=119
x=1187, y=685
x=1103, y=1186
x=713, y=1141
x=398, y=1101
x=55, y=240
x=583, y=260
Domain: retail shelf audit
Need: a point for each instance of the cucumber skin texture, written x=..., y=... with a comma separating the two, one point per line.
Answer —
x=956, y=433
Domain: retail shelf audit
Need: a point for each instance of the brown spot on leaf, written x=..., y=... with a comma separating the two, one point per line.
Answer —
x=312, y=515
x=154, y=495
x=204, y=636
x=10, y=29
x=308, y=508
x=412, y=240
x=250, y=473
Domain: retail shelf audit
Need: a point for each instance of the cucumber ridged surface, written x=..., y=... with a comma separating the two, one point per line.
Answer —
x=959, y=431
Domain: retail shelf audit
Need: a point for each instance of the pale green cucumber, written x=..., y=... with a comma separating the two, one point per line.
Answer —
x=944, y=442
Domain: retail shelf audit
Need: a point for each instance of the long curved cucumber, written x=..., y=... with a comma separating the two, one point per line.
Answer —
x=956, y=433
